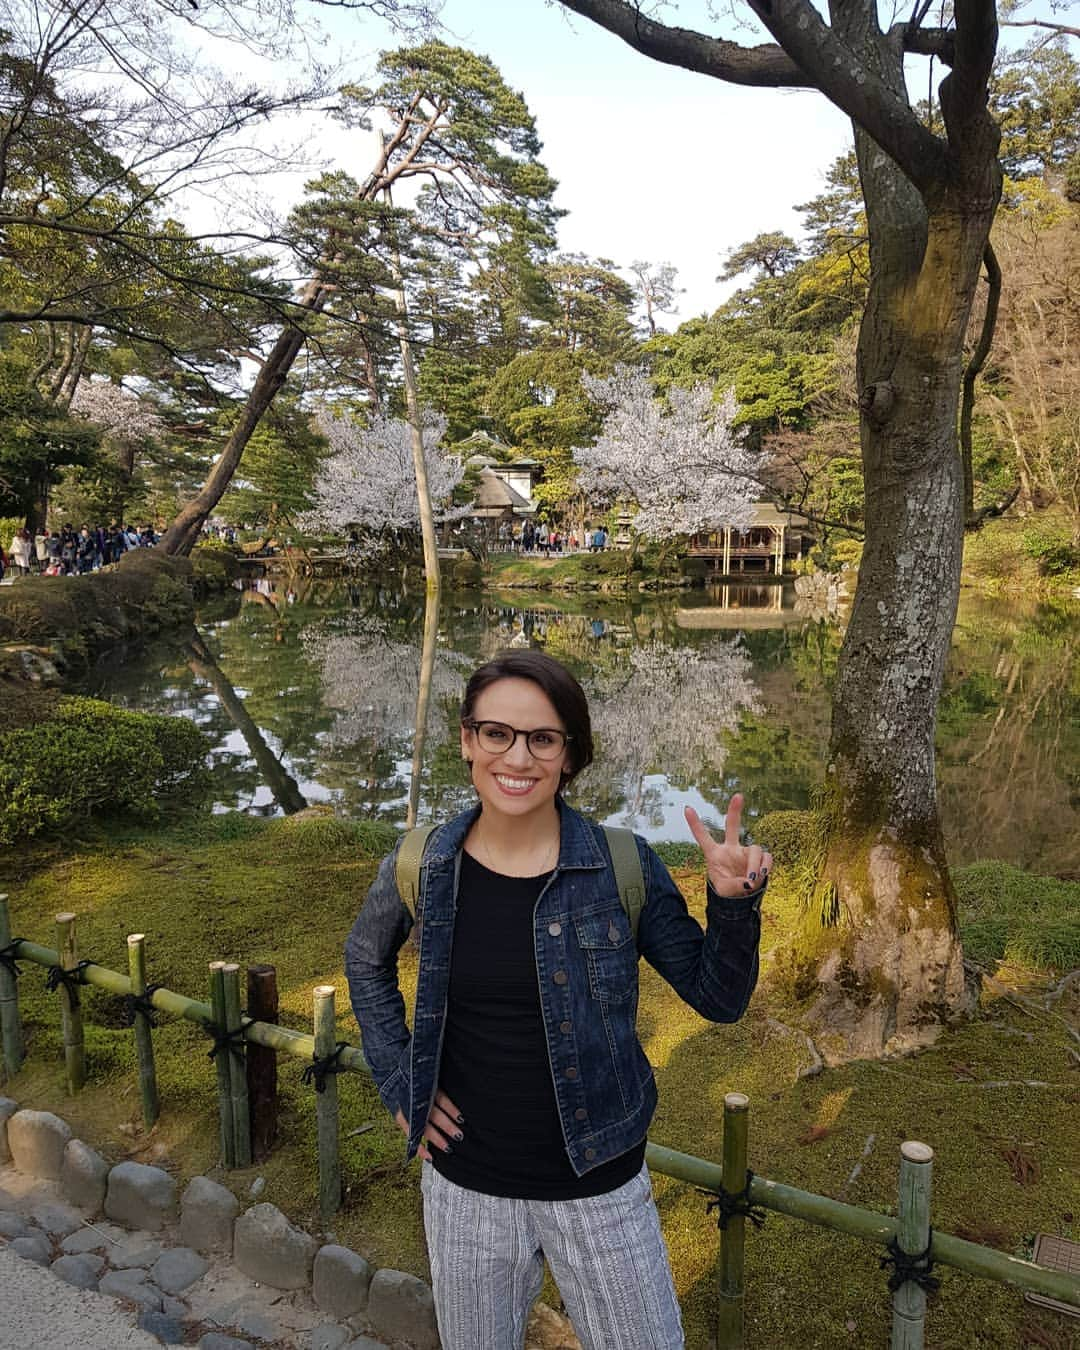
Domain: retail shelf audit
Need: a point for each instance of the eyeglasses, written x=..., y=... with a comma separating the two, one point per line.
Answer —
x=496, y=738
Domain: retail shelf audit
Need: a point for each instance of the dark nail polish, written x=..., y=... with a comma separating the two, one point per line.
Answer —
x=764, y=872
x=447, y=1148
x=460, y=1118
x=753, y=876
x=746, y=886
x=458, y=1136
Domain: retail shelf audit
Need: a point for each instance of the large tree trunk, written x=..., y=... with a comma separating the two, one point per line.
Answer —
x=887, y=962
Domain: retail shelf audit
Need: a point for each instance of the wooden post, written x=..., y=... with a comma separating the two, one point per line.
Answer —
x=221, y=1061
x=326, y=1104
x=913, y=1236
x=727, y=550
x=729, y=1321
x=70, y=1011
x=10, y=1026
x=144, y=1042
x=262, y=1006
x=241, y=1116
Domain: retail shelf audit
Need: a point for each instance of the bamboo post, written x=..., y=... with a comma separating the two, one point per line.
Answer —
x=70, y=1011
x=262, y=1006
x=729, y=1321
x=913, y=1237
x=326, y=1105
x=10, y=1026
x=221, y=1061
x=241, y=1115
x=144, y=1042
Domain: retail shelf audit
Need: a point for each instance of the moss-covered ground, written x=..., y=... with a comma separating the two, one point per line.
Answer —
x=286, y=891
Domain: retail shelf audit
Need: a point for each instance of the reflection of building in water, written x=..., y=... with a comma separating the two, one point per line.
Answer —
x=742, y=607
x=765, y=545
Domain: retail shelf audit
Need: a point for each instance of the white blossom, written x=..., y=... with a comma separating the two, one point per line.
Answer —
x=121, y=414
x=686, y=467
x=369, y=480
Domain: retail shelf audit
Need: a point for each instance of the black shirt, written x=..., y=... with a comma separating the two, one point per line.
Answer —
x=494, y=1065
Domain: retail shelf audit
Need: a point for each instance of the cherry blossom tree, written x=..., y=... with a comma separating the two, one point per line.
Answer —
x=127, y=421
x=685, y=466
x=368, y=481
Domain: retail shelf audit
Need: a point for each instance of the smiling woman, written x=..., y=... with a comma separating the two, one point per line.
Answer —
x=523, y=1086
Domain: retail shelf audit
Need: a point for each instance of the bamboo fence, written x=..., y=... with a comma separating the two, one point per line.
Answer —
x=909, y=1233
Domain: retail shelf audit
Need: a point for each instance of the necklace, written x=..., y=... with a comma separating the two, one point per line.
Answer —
x=551, y=853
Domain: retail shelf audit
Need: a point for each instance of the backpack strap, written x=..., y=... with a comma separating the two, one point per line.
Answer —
x=626, y=861
x=622, y=846
x=407, y=866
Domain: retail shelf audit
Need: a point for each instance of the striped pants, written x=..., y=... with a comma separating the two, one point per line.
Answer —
x=606, y=1253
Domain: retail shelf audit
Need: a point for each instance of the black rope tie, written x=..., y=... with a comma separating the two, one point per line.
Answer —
x=8, y=955
x=734, y=1205
x=319, y=1070
x=233, y=1041
x=70, y=979
x=140, y=1003
x=909, y=1267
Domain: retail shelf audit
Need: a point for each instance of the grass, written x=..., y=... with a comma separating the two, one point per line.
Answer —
x=286, y=891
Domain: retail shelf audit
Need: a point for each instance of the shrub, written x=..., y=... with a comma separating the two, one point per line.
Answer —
x=784, y=834
x=91, y=758
x=1010, y=915
x=1052, y=549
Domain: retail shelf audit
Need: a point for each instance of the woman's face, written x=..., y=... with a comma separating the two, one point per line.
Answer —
x=515, y=783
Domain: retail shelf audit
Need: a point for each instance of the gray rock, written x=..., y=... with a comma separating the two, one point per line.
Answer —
x=267, y=1248
x=257, y=1187
x=36, y=1248
x=57, y=1220
x=339, y=1283
x=207, y=1214
x=7, y=1110
x=401, y=1308
x=177, y=1268
x=139, y=1250
x=131, y=1285
x=174, y=1307
x=94, y=1238
x=327, y=1337
x=365, y=1343
x=214, y=1340
x=168, y=1330
x=140, y=1196
x=83, y=1176
x=14, y=1225
x=81, y=1271
x=37, y=1140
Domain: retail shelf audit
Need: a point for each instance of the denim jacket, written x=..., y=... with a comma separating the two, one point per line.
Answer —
x=586, y=968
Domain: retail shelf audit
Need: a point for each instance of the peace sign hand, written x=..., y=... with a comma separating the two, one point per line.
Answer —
x=733, y=870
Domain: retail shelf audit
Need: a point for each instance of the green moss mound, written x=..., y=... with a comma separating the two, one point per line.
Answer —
x=91, y=758
x=1012, y=916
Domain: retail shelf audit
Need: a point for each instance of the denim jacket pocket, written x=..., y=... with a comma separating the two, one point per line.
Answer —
x=605, y=938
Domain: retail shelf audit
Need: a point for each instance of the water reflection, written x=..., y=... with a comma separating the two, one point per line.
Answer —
x=312, y=692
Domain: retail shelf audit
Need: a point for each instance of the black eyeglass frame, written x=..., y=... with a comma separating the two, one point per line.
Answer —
x=473, y=724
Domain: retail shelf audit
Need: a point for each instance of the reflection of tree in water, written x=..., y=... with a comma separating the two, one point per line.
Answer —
x=664, y=710
x=1009, y=739
x=370, y=679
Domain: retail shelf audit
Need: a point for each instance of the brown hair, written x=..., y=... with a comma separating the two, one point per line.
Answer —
x=555, y=680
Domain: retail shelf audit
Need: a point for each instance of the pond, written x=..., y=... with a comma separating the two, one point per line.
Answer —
x=308, y=693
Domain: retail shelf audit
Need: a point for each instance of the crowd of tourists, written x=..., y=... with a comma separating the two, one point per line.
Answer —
x=539, y=537
x=71, y=552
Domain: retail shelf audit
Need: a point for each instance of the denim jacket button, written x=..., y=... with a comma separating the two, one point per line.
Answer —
x=590, y=1154
x=565, y=1028
x=559, y=977
x=571, y=1072
x=580, y=1113
x=554, y=929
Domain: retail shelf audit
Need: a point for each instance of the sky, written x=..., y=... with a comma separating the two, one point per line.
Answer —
x=653, y=162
